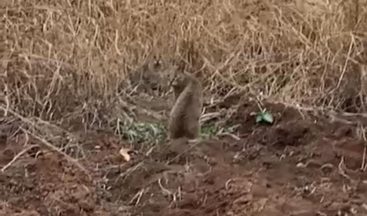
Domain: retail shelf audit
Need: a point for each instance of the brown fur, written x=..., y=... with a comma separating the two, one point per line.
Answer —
x=185, y=113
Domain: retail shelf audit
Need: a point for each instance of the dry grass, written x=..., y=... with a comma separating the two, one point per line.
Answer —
x=62, y=59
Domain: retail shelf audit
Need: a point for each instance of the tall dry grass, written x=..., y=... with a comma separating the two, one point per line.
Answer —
x=67, y=58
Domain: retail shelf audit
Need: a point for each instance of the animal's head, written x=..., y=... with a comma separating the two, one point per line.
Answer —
x=176, y=78
x=153, y=73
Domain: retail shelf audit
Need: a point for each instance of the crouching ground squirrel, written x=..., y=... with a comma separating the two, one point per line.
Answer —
x=148, y=78
x=185, y=114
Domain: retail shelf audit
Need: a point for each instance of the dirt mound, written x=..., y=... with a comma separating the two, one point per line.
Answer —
x=301, y=165
x=48, y=185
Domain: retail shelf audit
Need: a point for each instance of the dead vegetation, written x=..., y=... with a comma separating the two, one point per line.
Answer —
x=299, y=52
x=63, y=65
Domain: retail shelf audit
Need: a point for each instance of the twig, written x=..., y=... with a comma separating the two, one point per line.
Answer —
x=194, y=143
x=7, y=101
x=16, y=157
x=165, y=190
x=209, y=116
x=259, y=104
x=129, y=171
x=33, y=124
x=57, y=150
x=46, y=143
x=364, y=165
x=226, y=185
x=345, y=64
x=333, y=115
x=230, y=135
x=363, y=135
x=137, y=197
x=342, y=171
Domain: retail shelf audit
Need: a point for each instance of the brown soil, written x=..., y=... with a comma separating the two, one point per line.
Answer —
x=302, y=165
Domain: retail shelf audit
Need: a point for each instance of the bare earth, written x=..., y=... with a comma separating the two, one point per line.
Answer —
x=303, y=165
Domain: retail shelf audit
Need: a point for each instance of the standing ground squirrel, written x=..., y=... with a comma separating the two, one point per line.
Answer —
x=185, y=113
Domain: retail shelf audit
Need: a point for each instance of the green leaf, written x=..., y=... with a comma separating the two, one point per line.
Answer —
x=264, y=117
x=259, y=118
x=267, y=117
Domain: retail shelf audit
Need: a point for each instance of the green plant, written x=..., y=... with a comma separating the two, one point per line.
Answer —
x=143, y=132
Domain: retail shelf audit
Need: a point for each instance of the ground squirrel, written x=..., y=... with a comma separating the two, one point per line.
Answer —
x=185, y=113
x=148, y=78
